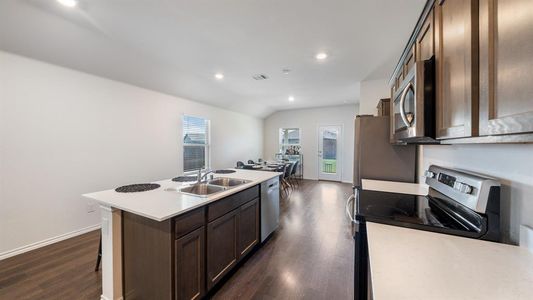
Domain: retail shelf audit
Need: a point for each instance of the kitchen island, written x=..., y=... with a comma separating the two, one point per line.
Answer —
x=164, y=244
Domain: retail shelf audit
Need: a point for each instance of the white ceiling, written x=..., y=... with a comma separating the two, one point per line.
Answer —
x=176, y=46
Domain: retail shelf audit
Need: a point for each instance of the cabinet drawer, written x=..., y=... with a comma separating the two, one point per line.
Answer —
x=189, y=221
x=225, y=205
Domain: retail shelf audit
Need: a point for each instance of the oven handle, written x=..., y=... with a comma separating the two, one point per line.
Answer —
x=402, y=103
x=348, y=213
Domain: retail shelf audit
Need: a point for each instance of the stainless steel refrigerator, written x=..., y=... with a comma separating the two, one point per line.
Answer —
x=374, y=158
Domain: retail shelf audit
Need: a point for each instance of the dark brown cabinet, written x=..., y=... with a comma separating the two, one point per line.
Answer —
x=230, y=238
x=190, y=264
x=456, y=47
x=506, y=64
x=248, y=235
x=222, y=251
x=383, y=107
x=425, y=40
x=184, y=257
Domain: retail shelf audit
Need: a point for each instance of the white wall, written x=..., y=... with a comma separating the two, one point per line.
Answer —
x=64, y=133
x=371, y=92
x=308, y=120
x=512, y=164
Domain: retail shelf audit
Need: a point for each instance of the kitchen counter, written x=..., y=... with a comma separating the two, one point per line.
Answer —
x=415, y=264
x=161, y=205
x=420, y=189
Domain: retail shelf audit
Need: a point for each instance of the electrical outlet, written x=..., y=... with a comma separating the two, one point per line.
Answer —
x=91, y=207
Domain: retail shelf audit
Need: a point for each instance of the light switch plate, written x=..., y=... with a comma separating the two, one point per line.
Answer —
x=526, y=237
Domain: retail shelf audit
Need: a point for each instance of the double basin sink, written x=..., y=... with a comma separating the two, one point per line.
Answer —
x=210, y=187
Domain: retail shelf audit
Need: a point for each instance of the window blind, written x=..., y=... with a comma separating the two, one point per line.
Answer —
x=195, y=143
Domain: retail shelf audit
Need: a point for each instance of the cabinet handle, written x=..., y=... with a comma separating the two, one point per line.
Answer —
x=402, y=104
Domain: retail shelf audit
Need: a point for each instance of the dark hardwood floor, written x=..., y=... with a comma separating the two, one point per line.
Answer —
x=309, y=257
x=64, y=270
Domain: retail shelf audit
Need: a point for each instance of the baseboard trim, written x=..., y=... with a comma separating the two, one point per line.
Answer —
x=47, y=242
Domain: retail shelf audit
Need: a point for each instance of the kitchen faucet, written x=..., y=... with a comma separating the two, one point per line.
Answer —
x=200, y=176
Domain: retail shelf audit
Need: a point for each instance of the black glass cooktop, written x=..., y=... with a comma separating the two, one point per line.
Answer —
x=433, y=212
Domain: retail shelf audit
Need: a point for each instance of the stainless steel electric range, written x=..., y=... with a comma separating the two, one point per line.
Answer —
x=457, y=202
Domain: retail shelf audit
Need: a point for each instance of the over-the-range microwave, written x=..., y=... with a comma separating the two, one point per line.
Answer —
x=413, y=105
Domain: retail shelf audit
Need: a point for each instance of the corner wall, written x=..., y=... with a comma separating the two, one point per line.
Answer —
x=64, y=133
x=371, y=92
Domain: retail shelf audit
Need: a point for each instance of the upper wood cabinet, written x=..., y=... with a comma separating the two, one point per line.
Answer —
x=425, y=40
x=506, y=64
x=456, y=48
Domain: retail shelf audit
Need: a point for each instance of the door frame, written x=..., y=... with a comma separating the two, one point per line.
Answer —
x=340, y=145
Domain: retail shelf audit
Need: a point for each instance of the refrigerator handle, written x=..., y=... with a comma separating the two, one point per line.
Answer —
x=348, y=213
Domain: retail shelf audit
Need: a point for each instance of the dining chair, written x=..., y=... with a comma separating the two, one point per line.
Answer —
x=287, y=175
x=99, y=254
x=283, y=190
x=293, y=177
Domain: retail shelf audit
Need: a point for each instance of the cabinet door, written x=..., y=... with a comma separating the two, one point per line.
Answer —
x=506, y=64
x=248, y=227
x=409, y=61
x=190, y=263
x=425, y=44
x=456, y=48
x=222, y=253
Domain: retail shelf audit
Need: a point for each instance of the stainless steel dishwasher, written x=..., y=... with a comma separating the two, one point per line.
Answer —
x=269, y=207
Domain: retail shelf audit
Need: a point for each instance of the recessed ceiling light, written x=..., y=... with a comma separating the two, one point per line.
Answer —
x=68, y=3
x=219, y=76
x=291, y=98
x=286, y=71
x=321, y=56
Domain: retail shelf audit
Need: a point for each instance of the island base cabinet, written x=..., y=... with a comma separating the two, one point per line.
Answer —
x=190, y=265
x=230, y=238
x=222, y=251
x=248, y=234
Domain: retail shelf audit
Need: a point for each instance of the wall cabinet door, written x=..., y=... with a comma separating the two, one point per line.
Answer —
x=425, y=42
x=222, y=253
x=506, y=64
x=190, y=265
x=248, y=235
x=456, y=47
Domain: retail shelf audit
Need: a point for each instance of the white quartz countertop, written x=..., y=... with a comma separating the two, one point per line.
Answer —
x=160, y=205
x=420, y=189
x=415, y=264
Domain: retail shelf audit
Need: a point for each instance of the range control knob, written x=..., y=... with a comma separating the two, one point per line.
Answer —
x=462, y=187
x=429, y=174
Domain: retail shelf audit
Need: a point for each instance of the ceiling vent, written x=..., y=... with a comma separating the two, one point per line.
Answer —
x=260, y=77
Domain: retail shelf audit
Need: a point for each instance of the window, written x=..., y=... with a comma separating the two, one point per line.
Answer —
x=289, y=141
x=195, y=143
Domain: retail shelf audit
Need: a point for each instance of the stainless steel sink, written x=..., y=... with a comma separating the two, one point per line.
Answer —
x=201, y=189
x=205, y=189
x=227, y=182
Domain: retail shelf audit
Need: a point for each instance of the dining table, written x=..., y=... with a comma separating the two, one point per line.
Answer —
x=268, y=166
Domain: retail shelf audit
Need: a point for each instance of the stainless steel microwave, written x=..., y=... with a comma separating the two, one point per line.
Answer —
x=413, y=105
